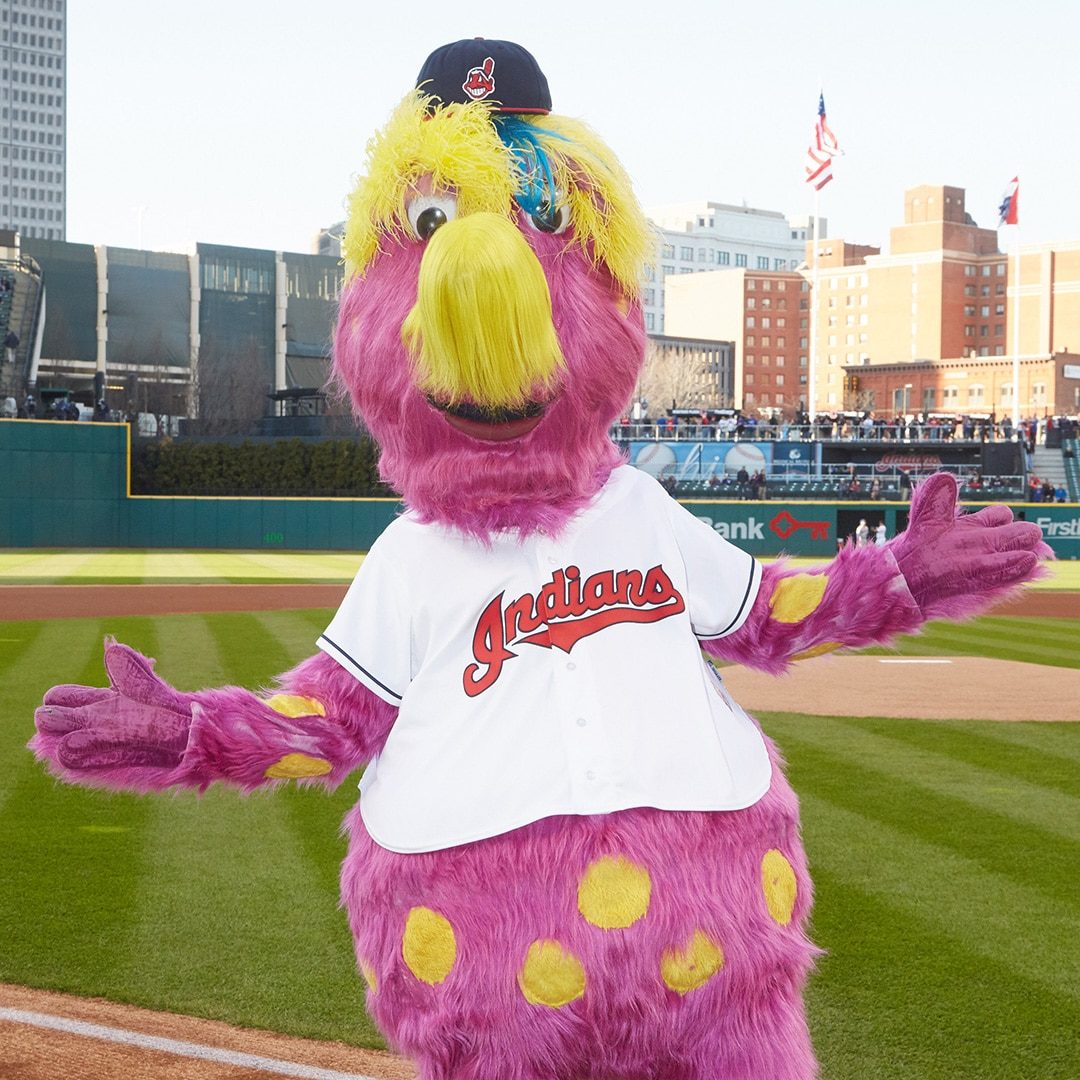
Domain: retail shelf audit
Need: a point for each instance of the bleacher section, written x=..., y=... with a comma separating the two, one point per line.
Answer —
x=837, y=490
x=1070, y=449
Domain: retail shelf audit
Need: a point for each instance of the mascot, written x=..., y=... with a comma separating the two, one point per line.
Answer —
x=574, y=857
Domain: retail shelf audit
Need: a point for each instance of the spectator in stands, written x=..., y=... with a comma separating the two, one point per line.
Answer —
x=30, y=406
x=975, y=481
x=854, y=485
x=905, y=485
x=11, y=343
x=757, y=483
x=9, y=410
x=1034, y=489
x=742, y=478
x=875, y=488
x=879, y=534
x=1060, y=494
x=862, y=533
x=1047, y=491
x=101, y=410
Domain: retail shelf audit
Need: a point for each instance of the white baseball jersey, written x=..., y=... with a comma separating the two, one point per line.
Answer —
x=550, y=675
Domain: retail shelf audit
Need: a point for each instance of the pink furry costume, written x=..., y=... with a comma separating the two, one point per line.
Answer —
x=539, y=928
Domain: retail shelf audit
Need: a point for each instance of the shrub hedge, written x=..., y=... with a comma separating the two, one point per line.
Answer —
x=334, y=467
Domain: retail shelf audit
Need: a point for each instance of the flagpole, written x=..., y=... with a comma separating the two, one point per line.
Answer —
x=1016, y=327
x=812, y=395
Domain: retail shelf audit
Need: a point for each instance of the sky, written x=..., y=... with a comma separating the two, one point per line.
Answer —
x=245, y=121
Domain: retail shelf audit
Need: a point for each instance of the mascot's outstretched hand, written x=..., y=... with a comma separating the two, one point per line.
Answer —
x=957, y=565
x=139, y=734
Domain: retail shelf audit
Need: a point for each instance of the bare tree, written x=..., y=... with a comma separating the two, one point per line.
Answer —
x=678, y=376
x=233, y=384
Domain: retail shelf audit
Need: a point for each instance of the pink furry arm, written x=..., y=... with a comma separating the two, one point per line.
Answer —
x=860, y=598
x=320, y=726
x=140, y=734
x=945, y=565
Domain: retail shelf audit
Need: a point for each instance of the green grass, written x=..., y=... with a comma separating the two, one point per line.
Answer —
x=78, y=567
x=944, y=857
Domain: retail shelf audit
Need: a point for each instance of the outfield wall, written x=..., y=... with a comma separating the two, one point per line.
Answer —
x=67, y=485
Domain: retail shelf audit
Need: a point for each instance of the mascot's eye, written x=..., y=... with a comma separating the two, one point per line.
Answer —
x=551, y=221
x=428, y=212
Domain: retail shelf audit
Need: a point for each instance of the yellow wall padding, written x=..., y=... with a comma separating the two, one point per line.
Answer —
x=795, y=597
x=550, y=975
x=295, y=705
x=778, y=884
x=693, y=965
x=296, y=767
x=428, y=945
x=614, y=893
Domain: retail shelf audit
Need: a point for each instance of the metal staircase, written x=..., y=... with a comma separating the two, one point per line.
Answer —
x=1048, y=463
x=20, y=312
x=1070, y=451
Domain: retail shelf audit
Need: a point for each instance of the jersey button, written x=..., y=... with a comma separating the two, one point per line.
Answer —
x=590, y=775
x=571, y=666
x=581, y=721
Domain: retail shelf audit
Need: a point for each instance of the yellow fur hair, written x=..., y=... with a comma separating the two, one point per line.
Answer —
x=457, y=146
x=481, y=329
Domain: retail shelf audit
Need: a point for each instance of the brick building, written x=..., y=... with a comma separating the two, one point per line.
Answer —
x=765, y=314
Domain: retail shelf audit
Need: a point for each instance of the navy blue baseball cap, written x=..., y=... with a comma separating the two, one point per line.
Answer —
x=482, y=69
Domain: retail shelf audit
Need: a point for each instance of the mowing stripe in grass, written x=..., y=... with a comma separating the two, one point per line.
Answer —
x=1059, y=741
x=72, y=856
x=960, y=899
x=984, y=790
x=973, y=745
x=896, y=998
x=251, y=653
x=1030, y=856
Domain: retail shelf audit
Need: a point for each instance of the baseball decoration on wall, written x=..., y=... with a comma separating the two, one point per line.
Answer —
x=574, y=855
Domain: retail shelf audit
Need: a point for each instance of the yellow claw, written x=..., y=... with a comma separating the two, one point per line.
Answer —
x=818, y=650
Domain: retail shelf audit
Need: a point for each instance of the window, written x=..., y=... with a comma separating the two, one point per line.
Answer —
x=779, y=379
x=969, y=271
x=969, y=290
x=750, y=341
x=701, y=254
x=763, y=262
x=687, y=253
x=1000, y=269
x=723, y=258
x=984, y=311
x=985, y=290
x=750, y=322
x=740, y=260
x=999, y=329
x=999, y=309
x=650, y=321
x=665, y=270
x=649, y=296
x=749, y=378
x=766, y=285
x=986, y=270
x=1038, y=393
x=668, y=251
x=984, y=331
x=766, y=323
x=1005, y=394
x=969, y=310
x=950, y=395
x=751, y=283
x=766, y=341
x=969, y=331
x=751, y=302
x=929, y=396
x=779, y=264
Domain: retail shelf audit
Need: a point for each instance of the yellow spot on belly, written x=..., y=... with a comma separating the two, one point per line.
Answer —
x=818, y=650
x=614, y=893
x=369, y=976
x=295, y=705
x=428, y=946
x=550, y=975
x=778, y=884
x=693, y=965
x=796, y=596
x=297, y=766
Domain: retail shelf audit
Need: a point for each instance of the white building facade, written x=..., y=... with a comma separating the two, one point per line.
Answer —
x=701, y=236
x=33, y=117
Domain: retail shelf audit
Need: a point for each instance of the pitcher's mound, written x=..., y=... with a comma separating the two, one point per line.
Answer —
x=922, y=688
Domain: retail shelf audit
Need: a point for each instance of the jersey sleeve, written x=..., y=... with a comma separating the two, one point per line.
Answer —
x=370, y=636
x=722, y=580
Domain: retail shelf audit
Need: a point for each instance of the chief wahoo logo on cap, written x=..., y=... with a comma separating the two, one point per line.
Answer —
x=480, y=82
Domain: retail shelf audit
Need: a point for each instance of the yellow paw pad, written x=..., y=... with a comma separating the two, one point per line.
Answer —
x=693, y=965
x=429, y=945
x=295, y=705
x=778, y=884
x=550, y=975
x=296, y=767
x=818, y=650
x=369, y=976
x=614, y=893
x=796, y=596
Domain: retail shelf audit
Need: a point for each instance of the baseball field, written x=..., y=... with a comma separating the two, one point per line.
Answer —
x=940, y=787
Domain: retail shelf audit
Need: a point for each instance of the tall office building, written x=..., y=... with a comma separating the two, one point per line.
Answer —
x=33, y=117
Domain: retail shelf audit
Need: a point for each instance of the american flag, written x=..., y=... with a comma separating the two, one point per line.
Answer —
x=1009, y=210
x=822, y=149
